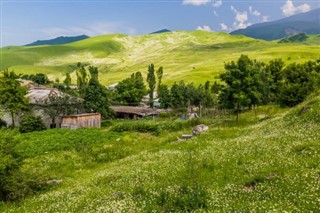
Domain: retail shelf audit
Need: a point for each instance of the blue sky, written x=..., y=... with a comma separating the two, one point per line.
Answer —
x=25, y=21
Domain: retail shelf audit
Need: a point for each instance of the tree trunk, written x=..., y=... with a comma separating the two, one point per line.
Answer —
x=12, y=120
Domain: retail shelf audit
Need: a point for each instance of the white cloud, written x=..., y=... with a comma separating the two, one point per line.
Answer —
x=254, y=12
x=196, y=2
x=240, y=19
x=98, y=28
x=205, y=28
x=240, y=25
x=288, y=9
x=224, y=27
x=217, y=3
x=215, y=13
x=265, y=18
x=240, y=16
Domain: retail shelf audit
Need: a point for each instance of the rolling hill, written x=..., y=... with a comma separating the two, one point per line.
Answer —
x=308, y=23
x=58, y=40
x=302, y=38
x=194, y=56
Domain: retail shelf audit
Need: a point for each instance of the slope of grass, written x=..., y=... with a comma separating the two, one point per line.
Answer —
x=302, y=38
x=266, y=162
x=194, y=56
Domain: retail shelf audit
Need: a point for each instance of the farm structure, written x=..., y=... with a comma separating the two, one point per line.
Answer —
x=44, y=103
x=133, y=112
x=87, y=120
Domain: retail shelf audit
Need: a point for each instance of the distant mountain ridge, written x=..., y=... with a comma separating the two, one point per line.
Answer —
x=308, y=23
x=58, y=40
x=161, y=31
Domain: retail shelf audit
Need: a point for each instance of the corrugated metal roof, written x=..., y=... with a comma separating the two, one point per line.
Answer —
x=41, y=95
x=141, y=111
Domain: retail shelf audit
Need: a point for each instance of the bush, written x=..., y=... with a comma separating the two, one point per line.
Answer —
x=30, y=123
x=3, y=123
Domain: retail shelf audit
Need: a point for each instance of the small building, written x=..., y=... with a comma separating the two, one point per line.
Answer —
x=88, y=120
x=133, y=112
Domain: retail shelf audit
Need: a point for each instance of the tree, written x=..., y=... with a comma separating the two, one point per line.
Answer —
x=67, y=80
x=164, y=96
x=151, y=80
x=96, y=96
x=242, y=85
x=60, y=104
x=131, y=90
x=273, y=74
x=12, y=95
x=159, y=76
x=298, y=83
x=82, y=78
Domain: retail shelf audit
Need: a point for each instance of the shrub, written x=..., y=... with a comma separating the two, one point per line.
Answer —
x=30, y=123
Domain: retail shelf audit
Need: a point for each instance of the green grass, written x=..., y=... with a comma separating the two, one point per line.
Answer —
x=267, y=162
x=194, y=56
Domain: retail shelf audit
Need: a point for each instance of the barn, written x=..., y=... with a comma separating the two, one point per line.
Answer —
x=87, y=120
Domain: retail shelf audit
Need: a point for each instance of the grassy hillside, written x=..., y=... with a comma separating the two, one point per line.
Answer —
x=302, y=38
x=191, y=56
x=269, y=161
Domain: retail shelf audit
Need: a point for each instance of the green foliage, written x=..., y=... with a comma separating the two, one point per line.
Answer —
x=131, y=90
x=159, y=76
x=299, y=81
x=151, y=80
x=164, y=96
x=15, y=184
x=96, y=95
x=38, y=78
x=241, y=80
x=67, y=80
x=82, y=78
x=12, y=95
x=30, y=123
x=96, y=98
x=153, y=127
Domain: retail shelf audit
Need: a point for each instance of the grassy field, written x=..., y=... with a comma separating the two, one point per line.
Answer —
x=194, y=56
x=267, y=162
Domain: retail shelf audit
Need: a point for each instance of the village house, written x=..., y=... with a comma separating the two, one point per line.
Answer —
x=41, y=105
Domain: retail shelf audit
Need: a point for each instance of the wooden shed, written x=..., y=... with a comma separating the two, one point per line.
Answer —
x=81, y=121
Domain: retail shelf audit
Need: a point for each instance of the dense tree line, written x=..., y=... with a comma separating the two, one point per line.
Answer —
x=38, y=78
x=249, y=83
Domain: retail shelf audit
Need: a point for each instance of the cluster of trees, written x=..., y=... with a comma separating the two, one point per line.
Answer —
x=249, y=82
x=182, y=95
x=38, y=78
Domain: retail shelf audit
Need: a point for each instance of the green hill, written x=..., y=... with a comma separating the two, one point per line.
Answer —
x=302, y=38
x=268, y=161
x=191, y=56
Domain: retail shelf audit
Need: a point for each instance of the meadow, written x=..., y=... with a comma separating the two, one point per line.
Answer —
x=194, y=56
x=268, y=161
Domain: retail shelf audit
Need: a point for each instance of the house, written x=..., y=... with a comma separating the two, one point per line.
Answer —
x=133, y=112
x=41, y=105
x=81, y=121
